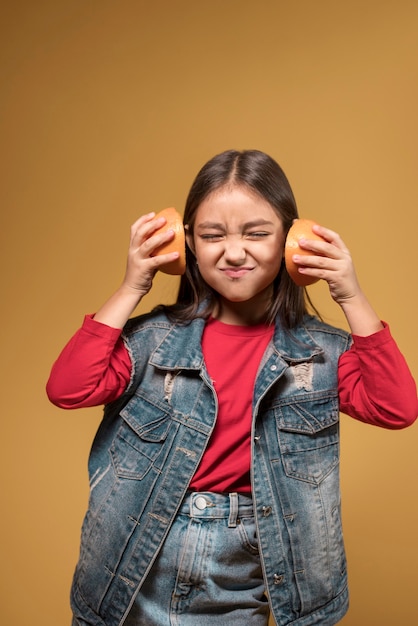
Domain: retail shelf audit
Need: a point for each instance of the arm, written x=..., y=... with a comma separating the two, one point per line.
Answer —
x=374, y=382
x=94, y=368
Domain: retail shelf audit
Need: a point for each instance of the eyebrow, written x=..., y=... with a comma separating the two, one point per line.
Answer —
x=218, y=226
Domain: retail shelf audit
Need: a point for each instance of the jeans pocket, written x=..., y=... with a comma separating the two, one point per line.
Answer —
x=248, y=535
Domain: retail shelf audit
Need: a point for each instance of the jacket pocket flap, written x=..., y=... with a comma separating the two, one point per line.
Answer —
x=309, y=413
x=149, y=420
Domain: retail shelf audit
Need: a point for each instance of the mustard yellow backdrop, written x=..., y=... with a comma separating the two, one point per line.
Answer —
x=108, y=109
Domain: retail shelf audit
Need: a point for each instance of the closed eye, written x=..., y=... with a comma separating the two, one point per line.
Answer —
x=257, y=235
x=211, y=236
x=218, y=236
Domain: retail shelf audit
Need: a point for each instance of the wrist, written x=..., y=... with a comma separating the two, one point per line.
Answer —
x=130, y=292
x=361, y=317
x=120, y=306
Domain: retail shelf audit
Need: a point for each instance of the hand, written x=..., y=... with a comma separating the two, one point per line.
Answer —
x=141, y=268
x=141, y=265
x=331, y=262
x=334, y=265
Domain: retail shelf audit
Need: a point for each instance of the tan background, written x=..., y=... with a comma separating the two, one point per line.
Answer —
x=108, y=109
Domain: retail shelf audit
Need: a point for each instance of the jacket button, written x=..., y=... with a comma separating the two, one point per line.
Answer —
x=266, y=511
x=278, y=579
x=273, y=368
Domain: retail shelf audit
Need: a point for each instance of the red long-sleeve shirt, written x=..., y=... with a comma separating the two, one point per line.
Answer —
x=374, y=386
x=94, y=368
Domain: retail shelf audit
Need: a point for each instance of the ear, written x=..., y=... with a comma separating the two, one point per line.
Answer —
x=189, y=239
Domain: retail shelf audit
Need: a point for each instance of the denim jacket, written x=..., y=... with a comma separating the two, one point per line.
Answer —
x=151, y=440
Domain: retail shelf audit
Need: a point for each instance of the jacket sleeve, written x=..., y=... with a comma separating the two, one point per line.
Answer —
x=94, y=368
x=375, y=384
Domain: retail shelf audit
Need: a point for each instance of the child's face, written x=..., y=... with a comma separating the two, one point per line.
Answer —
x=238, y=242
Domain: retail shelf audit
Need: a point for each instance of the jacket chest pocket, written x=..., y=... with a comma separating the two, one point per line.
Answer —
x=308, y=436
x=143, y=439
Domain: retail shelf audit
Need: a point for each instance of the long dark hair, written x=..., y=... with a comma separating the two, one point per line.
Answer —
x=261, y=174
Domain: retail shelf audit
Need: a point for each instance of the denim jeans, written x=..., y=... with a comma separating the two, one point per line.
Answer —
x=208, y=571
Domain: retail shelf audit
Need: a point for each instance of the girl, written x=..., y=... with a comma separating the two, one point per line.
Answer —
x=214, y=495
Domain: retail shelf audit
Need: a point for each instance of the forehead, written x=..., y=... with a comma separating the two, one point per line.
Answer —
x=235, y=205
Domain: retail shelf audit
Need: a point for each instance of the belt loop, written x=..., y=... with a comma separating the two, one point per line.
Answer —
x=191, y=498
x=233, y=510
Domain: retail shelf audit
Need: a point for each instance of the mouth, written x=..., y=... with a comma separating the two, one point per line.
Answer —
x=236, y=272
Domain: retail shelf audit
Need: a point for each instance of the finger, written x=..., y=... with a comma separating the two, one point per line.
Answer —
x=138, y=227
x=155, y=241
x=320, y=248
x=330, y=244
x=142, y=231
x=330, y=236
x=316, y=262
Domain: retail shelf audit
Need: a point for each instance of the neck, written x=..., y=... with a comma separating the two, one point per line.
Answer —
x=240, y=313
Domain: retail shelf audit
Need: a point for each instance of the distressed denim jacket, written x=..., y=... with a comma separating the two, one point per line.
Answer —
x=151, y=440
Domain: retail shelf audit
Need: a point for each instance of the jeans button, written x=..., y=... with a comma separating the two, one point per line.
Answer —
x=200, y=503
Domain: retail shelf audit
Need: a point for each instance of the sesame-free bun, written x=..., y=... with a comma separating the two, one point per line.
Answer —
x=177, y=244
x=301, y=228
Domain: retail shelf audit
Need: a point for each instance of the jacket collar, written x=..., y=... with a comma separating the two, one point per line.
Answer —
x=295, y=345
x=181, y=346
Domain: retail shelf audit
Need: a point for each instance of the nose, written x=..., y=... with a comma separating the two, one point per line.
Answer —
x=234, y=252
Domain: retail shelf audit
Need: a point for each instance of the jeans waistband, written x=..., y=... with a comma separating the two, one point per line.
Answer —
x=209, y=505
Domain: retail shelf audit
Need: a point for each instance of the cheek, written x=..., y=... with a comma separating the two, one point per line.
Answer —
x=207, y=255
x=280, y=253
x=200, y=258
x=280, y=243
x=276, y=252
x=273, y=261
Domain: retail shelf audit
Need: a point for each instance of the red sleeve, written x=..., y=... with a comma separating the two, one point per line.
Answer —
x=375, y=384
x=94, y=368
